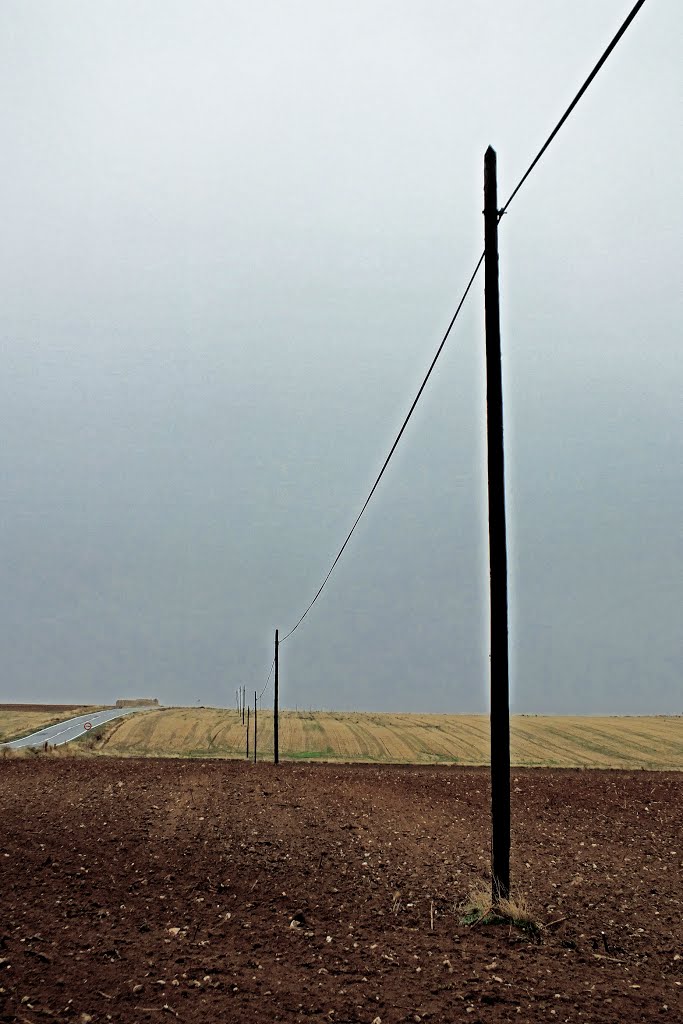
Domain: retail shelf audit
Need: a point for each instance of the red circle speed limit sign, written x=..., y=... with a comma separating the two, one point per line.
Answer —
x=87, y=725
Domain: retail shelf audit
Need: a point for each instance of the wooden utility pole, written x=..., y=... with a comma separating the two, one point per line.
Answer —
x=255, y=723
x=244, y=701
x=500, y=701
x=276, y=707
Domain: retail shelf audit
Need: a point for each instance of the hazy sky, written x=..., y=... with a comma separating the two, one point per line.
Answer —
x=232, y=236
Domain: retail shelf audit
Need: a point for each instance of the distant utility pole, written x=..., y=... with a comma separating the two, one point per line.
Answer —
x=255, y=723
x=500, y=700
x=276, y=698
x=247, y=732
x=244, y=701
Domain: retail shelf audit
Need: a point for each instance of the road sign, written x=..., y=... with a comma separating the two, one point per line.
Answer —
x=87, y=725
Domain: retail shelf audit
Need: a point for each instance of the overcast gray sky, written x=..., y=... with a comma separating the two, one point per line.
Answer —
x=232, y=236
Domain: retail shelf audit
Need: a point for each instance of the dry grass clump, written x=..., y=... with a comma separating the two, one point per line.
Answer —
x=18, y=753
x=480, y=908
x=518, y=911
x=24, y=753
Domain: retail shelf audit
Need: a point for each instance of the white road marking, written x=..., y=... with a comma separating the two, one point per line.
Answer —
x=71, y=729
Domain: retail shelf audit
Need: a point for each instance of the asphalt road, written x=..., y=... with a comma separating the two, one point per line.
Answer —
x=72, y=728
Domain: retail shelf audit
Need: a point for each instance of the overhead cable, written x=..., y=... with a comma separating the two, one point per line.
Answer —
x=393, y=448
x=267, y=681
x=573, y=103
x=503, y=210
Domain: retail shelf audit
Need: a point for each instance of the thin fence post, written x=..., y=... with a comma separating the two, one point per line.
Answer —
x=500, y=699
x=255, y=723
x=276, y=704
x=247, y=734
x=244, y=701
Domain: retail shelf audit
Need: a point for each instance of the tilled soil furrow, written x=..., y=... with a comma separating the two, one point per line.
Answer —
x=201, y=890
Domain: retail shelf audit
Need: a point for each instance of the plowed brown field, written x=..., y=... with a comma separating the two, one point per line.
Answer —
x=147, y=890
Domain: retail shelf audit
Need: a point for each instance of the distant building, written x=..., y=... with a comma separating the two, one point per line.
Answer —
x=141, y=701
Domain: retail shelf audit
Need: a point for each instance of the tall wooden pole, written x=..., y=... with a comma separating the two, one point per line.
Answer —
x=255, y=723
x=500, y=701
x=244, y=701
x=276, y=706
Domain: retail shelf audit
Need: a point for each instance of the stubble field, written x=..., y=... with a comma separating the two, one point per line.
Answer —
x=615, y=742
x=154, y=889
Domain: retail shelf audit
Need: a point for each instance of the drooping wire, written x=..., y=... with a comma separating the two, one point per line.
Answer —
x=267, y=681
x=503, y=210
x=573, y=103
x=393, y=447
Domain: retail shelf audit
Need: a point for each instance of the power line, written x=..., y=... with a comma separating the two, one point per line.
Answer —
x=392, y=450
x=573, y=103
x=267, y=681
x=503, y=210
